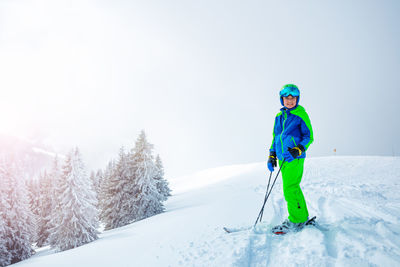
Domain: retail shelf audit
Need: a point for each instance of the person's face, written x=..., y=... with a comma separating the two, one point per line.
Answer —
x=289, y=101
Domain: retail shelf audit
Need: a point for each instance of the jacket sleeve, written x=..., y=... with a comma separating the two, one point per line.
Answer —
x=272, y=148
x=306, y=131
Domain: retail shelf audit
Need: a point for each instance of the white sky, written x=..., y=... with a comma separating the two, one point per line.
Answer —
x=201, y=77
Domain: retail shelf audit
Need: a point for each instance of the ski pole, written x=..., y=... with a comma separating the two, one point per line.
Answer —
x=265, y=199
x=267, y=194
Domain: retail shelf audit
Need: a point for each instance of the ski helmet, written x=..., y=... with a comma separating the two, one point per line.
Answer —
x=289, y=89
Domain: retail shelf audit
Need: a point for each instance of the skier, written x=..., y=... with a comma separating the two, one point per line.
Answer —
x=292, y=136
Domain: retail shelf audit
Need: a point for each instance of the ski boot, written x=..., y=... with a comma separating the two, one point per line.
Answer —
x=288, y=226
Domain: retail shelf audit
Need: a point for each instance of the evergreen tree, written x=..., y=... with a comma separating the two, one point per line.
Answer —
x=93, y=179
x=75, y=216
x=103, y=188
x=116, y=196
x=95, y=186
x=162, y=183
x=98, y=178
x=16, y=214
x=47, y=201
x=56, y=180
x=46, y=209
x=133, y=188
x=147, y=199
x=5, y=254
x=33, y=196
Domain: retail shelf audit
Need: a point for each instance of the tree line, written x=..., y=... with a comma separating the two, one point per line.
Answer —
x=64, y=208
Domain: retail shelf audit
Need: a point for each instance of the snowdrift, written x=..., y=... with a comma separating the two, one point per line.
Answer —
x=356, y=201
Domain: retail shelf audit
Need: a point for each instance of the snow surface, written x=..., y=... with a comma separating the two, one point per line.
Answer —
x=356, y=201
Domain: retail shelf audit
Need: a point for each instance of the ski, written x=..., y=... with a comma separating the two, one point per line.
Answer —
x=227, y=230
x=310, y=222
x=235, y=230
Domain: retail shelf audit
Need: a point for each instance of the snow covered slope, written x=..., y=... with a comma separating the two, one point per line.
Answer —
x=356, y=200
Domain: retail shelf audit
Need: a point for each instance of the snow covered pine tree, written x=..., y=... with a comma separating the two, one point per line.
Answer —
x=45, y=209
x=33, y=196
x=147, y=198
x=5, y=254
x=47, y=200
x=97, y=180
x=162, y=183
x=102, y=195
x=133, y=188
x=116, y=194
x=15, y=213
x=75, y=216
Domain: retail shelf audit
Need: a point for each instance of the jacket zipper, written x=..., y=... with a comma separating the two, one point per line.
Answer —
x=283, y=129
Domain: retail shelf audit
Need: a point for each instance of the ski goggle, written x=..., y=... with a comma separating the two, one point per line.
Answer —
x=287, y=91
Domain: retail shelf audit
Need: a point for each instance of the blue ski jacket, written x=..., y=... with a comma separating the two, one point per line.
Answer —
x=292, y=127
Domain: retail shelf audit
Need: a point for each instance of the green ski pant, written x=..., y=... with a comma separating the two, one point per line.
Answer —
x=292, y=173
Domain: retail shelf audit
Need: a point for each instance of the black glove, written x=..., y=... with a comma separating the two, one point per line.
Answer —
x=272, y=161
x=296, y=151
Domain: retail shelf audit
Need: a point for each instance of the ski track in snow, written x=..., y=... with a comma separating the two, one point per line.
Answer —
x=358, y=215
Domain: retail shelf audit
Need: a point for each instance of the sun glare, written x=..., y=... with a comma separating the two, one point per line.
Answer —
x=18, y=117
